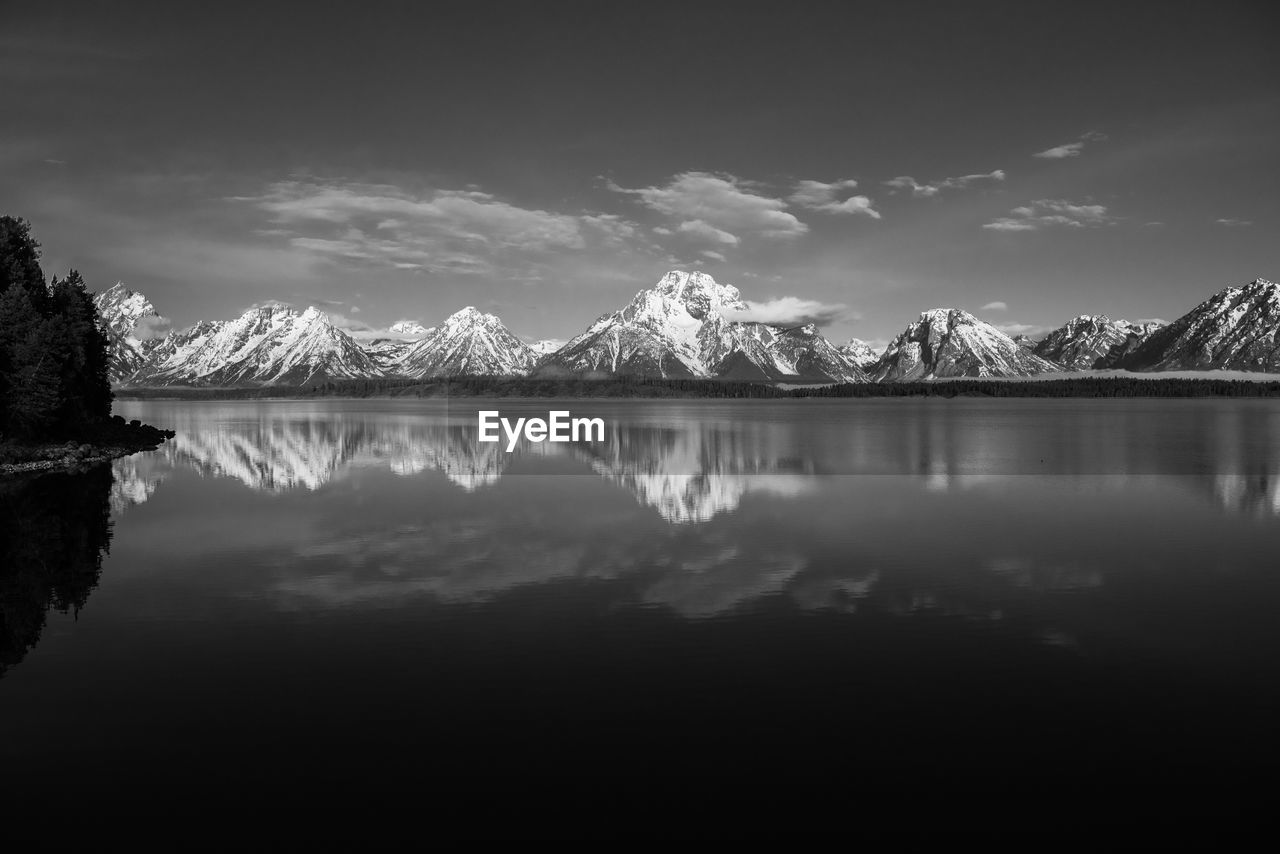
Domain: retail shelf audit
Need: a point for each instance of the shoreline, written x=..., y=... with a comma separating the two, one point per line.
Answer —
x=1073, y=386
x=69, y=463
x=99, y=444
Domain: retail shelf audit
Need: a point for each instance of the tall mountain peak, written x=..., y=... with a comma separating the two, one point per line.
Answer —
x=468, y=343
x=678, y=329
x=951, y=342
x=1238, y=328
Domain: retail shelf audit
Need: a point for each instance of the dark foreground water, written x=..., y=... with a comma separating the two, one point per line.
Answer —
x=761, y=595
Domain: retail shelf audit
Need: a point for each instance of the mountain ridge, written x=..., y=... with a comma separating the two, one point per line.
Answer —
x=685, y=327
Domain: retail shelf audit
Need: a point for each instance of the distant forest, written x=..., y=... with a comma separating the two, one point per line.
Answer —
x=643, y=387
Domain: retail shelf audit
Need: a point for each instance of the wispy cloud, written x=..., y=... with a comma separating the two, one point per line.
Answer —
x=791, y=311
x=362, y=331
x=919, y=190
x=823, y=197
x=996, y=306
x=717, y=207
x=1031, y=330
x=269, y=302
x=152, y=327
x=1048, y=213
x=709, y=232
x=1070, y=149
x=1234, y=223
x=458, y=231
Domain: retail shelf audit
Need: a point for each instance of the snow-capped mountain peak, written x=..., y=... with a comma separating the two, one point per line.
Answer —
x=408, y=328
x=949, y=342
x=698, y=292
x=860, y=353
x=267, y=345
x=678, y=328
x=468, y=343
x=132, y=326
x=547, y=346
x=1237, y=328
x=1092, y=341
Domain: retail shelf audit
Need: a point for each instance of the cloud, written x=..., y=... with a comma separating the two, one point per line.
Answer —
x=349, y=324
x=723, y=202
x=714, y=256
x=457, y=231
x=1234, y=223
x=1047, y=213
x=1028, y=329
x=790, y=311
x=152, y=327
x=819, y=196
x=918, y=190
x=698, y=228
x=995, y=306
x=362, y=331
x=267, y=303
x=1070, y=149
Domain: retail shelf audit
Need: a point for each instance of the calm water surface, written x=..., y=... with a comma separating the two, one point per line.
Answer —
x=763, y=593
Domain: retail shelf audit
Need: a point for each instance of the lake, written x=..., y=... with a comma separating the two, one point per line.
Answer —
x=754, y=594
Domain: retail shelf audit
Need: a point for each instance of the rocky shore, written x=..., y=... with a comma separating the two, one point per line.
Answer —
x=97, y=444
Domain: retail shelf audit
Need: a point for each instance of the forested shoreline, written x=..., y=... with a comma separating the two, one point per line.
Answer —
x=644, y=387
x=55, y=395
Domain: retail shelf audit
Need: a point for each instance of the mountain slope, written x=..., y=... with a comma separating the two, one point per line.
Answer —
x=1235, y=329
x=953, y=343
x=387, y=352
x=678, y=329
x=129, y=321
x=1092, y=341
x=860, y=353
x=264, y=346
x=468, y=343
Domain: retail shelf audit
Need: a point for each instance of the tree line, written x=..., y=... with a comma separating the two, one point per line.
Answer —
x=481, y=386
x=54, y=356
x=654, y=387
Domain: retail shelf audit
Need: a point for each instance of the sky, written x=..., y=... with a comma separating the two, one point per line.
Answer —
x=852, y=164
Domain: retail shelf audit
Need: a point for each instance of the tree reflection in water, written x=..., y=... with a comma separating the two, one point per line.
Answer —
x=54, y=531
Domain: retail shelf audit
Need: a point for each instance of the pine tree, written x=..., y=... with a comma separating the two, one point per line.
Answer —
x=53, y=352
x=31, y=373
x=20, y=260
x=85, y=387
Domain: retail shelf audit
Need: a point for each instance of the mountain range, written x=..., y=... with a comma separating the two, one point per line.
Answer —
x=687, y=326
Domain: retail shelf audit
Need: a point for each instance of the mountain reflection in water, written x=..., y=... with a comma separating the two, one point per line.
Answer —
x=982, y=585
x=837, y=498
x=698, y=462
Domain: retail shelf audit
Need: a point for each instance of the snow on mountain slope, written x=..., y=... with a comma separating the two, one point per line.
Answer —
x=130, y=322
x=1237, y=328
x=468, y=343
x=678, y=329
x=953, y=343
x=860, y=353
x=1092, y=341
x=274, y=345
x=546, y=346
x=388, y=351
x=409, y=329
